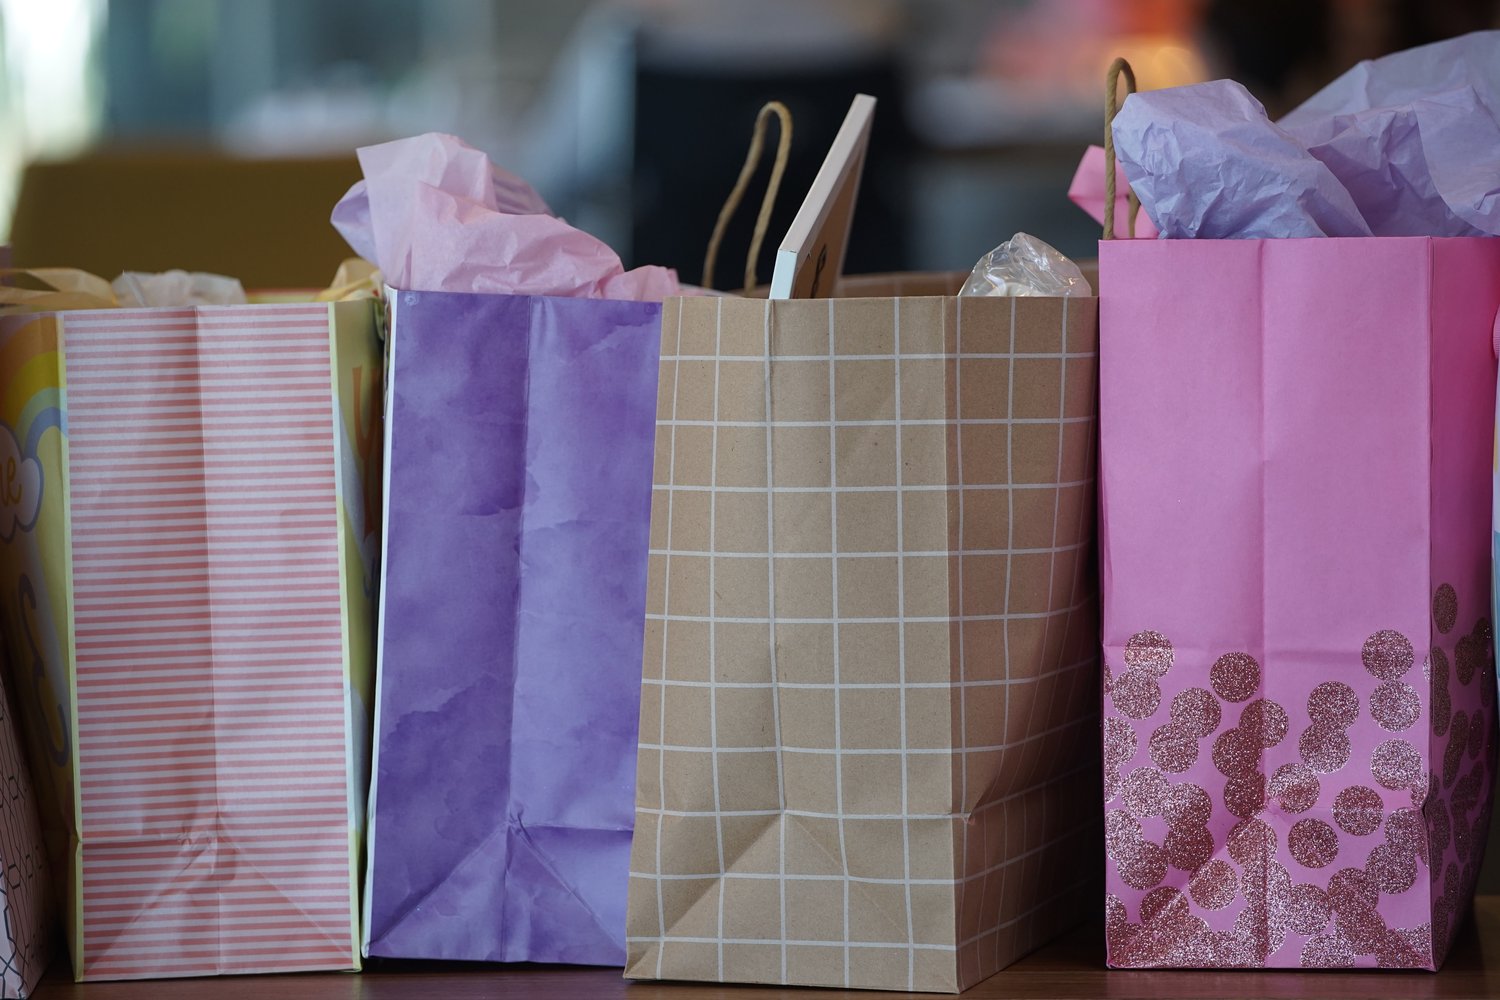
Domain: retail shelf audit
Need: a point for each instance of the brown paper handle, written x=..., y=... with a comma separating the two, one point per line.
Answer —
x=732, y=203
x=1111, y=106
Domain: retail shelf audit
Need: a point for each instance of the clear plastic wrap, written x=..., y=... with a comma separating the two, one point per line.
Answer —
x=1024, y=265
x=177, y=288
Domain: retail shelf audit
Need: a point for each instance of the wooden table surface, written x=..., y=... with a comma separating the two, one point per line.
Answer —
x=1070, y=968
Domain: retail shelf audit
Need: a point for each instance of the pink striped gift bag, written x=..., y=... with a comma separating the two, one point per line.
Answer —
x=187, y=548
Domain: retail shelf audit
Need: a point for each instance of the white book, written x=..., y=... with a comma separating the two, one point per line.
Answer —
x=811, y=257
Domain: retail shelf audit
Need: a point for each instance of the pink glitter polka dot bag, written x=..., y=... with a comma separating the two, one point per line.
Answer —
x=1299, y=689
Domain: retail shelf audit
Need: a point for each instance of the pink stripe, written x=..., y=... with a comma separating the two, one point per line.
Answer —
x=112, y=967
x=146, y=749
x=123, y=624
x=208, y=460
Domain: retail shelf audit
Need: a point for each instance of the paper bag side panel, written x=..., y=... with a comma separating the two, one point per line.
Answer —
x=447, y=672
x=1021, y=447
x=358, y=381
x=1461, y=760
x=34, y=583
x=203, y=501
x=591, y=397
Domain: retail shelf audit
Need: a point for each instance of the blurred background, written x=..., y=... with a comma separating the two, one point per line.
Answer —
x=217, y=134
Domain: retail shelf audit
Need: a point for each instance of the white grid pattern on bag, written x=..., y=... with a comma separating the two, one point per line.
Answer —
x=771, y=633
x=713, y=651
x=661, y=777
x=911, y=936
x=833, y=538
x=994, y=811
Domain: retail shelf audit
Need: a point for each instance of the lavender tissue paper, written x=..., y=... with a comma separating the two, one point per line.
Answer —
x=1399, y=146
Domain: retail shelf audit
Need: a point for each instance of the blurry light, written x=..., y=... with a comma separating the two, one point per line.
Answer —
x=50, y=104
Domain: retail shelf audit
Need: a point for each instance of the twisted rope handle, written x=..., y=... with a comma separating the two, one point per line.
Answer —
x=1111, y=105
x=732, y=203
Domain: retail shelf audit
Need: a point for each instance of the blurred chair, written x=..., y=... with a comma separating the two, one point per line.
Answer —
x=263, y=221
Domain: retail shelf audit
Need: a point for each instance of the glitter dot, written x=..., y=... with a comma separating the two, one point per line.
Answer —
x=1327, y=951
x=1307, y=909
x=1174, y=749
x=1362, y=927
x=1236, y=752
x=1122, y=832
x=1352, y=889
x=1333, y=703
x=1468, y=657
x=1115, y=914
x=1214, y=885
x=1396, y=952
x=1396, y=764
x=1395, y=706
x=1295, y=786
x=1405, y=831
x=1440, y=830
x=1136, y=695
x=1197, y=711
x=1393, y=870
x=1144, y=791
x=1358, y=810
x=1441, y=708
x=1466, y=792
x=1387, y=654
x=1164, y=903
x=1265, y=938
x=1419, y=937
x=1278, y=894
x=1188, y=847
x=1235, y=676
x=1188, y=936
x=1245, y=795
x=1187, y=805
x=1143, y=866
x=1251, y=840
x=1313, y=843
x=1227, y=950
x=1266, y=720
x=1440, y=928
x=1119, y=741
x=1461, y=835
x=1149, y=651
x=1453, y=755
x=1445, y=608
x=1476, y=734
x=1324, y=747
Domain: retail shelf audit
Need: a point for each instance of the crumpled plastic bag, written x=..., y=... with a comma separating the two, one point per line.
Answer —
x=436, y=215
x=176, y=288
x=1023, y=265
x=1400, y=146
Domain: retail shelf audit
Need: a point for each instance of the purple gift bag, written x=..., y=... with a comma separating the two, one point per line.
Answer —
x=519, y=434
